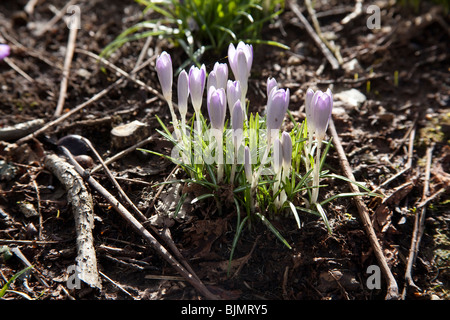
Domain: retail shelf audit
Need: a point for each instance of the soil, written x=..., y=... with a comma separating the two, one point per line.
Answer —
x=403, y=71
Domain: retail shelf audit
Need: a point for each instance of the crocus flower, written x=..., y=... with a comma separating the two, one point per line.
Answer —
x=241, y=59
x=165, y=74
x=286, y=142
x=308, y=110
x=4, y=51
x=221, y=73
x=237, y=123
x=233, y=94
x=197, y=78
x=277, y=105
x=183, y=93
x=322, y=106
x=216, y=107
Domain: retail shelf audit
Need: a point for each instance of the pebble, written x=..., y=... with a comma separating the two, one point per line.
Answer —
x=351, y=98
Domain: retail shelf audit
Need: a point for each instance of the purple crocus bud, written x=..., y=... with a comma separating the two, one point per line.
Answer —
x=237, y=123
x=322, y=104
x=308, y=110
x=4, y=51
x=241, y=59
x=277, y=105
x=183, y=92
x=271, y=84
x=197, y=79
x=277, y=155
x=248, y=165
x=216, y=103
x=211, y=81
x=286, y=141
x=221, y=74
x=165, y=74
x=233, y=94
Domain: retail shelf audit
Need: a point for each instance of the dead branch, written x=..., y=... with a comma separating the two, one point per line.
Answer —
x=83, y=209
x=392, y=290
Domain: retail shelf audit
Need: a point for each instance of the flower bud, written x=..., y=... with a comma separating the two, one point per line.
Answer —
x=308, y=110
x=183, y=92
x=241, y=59
x=322, y=104
x=277, y=105
x=237, y=123
x=165, y=74
x=197, y=79
x=286, y=142
x=216, y=103
x=4, y=51
x=221, y=74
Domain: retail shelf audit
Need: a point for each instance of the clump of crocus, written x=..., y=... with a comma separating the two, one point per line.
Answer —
x=4, y=51
x=320, y=109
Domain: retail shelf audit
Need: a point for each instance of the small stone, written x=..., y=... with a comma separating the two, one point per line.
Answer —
x=351, y=98
x=28, y=209
x=128, y=134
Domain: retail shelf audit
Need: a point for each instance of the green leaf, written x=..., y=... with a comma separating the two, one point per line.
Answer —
x=324, y=216
x=10, y=281
x=273, y=229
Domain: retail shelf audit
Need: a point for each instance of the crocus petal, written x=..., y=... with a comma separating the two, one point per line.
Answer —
x=216, y=103
x=183, y=92
x=271, y=84
x=165, y=74
x=233, y=94
x=4, y=51
x=286, y=141
x=212, y=80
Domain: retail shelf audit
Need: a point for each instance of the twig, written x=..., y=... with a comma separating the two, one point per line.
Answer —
x=419, y=221
x=58, y=16
x=17, y=69
x=326, y=52
x=117, y=285
x=356, y=12
x=83, y=211
x=73, y=30
x=138, y=227
x=392, y=290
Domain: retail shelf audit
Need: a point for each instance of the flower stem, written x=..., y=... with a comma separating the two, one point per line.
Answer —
x=315, y=193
